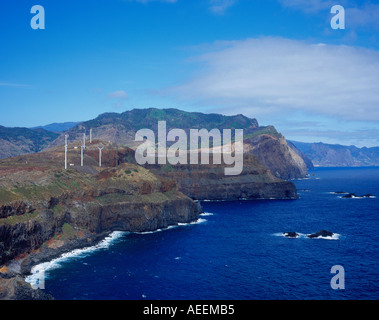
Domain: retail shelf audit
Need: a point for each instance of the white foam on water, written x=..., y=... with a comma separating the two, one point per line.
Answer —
x=281, y=234
x=104, y=244
x=155, y=231
x=358, y=197
x=299, y=179
x=198, y=221
x=353, y=197
x=335, y=236
x=206, y=214
x=56, y=263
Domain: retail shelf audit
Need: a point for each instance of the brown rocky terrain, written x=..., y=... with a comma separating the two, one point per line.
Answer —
x=203, y=182
x=266, y=143
x=274, y=153
x=209, y=182
x=46, y=210
x=269, y=146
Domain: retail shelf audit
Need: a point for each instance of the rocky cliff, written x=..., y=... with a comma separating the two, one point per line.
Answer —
x=45, y=210
x=37, y=201
x=209, y=182
x=274, y=153
x=308, y=162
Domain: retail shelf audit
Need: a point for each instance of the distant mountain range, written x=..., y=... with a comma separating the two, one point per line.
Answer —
x=58, y=127
x=286, y=159
x=335, y=155
x=17, y=141
x=264, y=142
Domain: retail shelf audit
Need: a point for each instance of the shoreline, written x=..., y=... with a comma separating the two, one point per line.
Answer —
x=102, y=241
x=45, y=258
x=14, y=279
x=54, y=262
x=86, y=232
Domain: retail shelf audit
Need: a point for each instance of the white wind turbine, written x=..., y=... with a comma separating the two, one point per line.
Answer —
x=100, y=152
x=65, y=151
x=81, y=155
x=84, y=139
x=83, y=147
x=90, y=135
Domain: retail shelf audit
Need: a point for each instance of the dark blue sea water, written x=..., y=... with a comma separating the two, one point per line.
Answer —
x=238, y=252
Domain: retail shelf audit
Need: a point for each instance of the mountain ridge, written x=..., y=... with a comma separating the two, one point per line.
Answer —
x=264, y=142
x=19, y=140
x=121, y=128
x=57, y=127
x=336, y=155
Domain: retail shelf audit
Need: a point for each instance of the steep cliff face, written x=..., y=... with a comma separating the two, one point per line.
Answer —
x=106, y=213
x=308, y=162
x=46, y=210
x=209, y=182
x=275, y=154
x=26, y=233
x=148, y=213
x=39, y=203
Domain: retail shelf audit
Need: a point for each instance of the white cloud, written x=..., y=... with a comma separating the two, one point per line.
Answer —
x=279, y=76
x=220, y=6
x=367, y=16
x=358, y=13
x=118, y=95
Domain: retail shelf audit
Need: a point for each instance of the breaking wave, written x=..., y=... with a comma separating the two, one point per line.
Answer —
x=198, y=221
x=104, y=244
x=57, y=262
x=335, y=236
x=206, y=214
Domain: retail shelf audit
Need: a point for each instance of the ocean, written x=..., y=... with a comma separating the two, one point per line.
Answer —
x=236, y=251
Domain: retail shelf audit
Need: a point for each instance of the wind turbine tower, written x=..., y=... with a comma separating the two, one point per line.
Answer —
x=82, y=149
x=90, y=135
x=81, y=158
x=65, y=151
x=100, y=152
x=84, y=140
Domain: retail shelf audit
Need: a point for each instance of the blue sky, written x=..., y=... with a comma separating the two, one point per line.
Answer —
x=275, y=60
